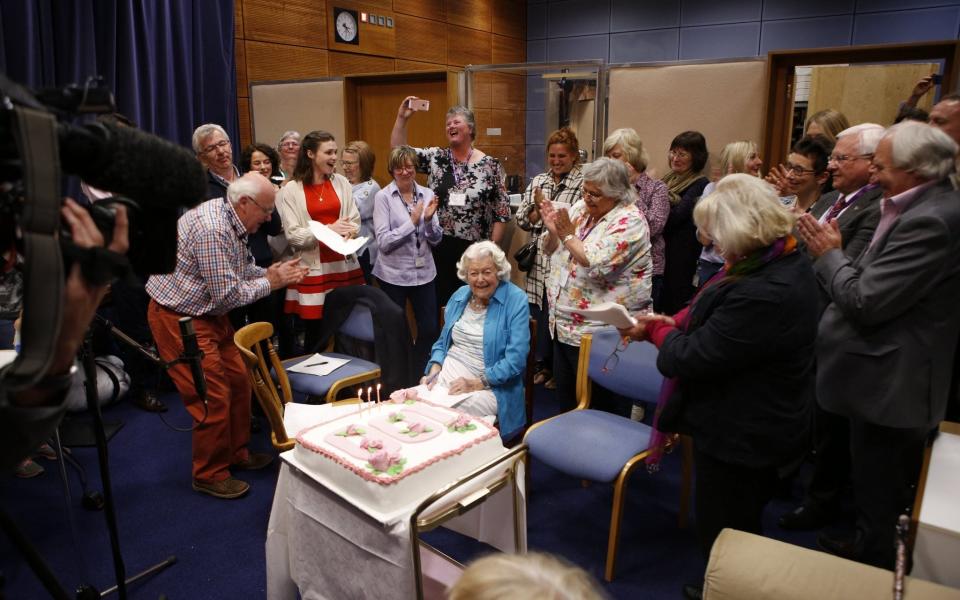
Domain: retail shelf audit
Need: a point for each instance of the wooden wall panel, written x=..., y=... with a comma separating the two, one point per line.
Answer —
x=507, y=91
x=296, y=22
x=508, y=50
x=240, y=57
x=421, y=39
x=238, y=19
x=510, y=19
x=243, y=118
x=428, y=9
x=512, y=157
x=475, y=14
x=343, y=63
x=273, y=62
x=467, y=46
x=415, y=65
x=482, y=90
x=512, y=125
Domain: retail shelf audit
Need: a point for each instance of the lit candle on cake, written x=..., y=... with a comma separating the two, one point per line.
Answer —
x=359, y=401
x=370, y=394
x=378, y=394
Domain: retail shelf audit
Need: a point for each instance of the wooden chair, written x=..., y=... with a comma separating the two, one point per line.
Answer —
x=255, y=347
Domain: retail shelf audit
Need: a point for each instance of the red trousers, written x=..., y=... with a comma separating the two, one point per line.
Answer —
x=221, y=440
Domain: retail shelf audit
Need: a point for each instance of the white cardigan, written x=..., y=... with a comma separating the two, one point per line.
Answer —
x=292, y=205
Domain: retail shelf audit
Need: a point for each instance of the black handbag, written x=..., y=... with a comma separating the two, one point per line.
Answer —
x=526, y=256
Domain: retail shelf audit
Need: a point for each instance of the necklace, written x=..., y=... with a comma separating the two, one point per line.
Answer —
x=476, y=304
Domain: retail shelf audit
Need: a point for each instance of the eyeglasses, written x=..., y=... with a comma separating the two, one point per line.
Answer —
x=588, y=195
x=839, y=158
x=404, y=168
x=348, y=163
x=290, y=145
x=257, y=204
x=614, y=359
x=797, y=169
x=679, y=154
x=214, y=147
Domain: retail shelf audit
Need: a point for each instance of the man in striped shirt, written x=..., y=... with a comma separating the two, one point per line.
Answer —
x=214, y=274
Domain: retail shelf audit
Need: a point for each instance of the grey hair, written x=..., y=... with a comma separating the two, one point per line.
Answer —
x=923, y=149
x=203, y=132
x=480, y=250
x=467, y=114
x=240, y=188
x=613, y=179
x=288, y=134
x=868, y=136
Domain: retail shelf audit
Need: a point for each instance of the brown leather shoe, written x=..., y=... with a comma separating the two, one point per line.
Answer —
x=254, y=462
x=148, y=401
x=227, y=488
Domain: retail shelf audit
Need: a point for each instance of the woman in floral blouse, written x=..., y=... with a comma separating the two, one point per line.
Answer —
x=473, y=202
x=600, y=253
x=562, y=186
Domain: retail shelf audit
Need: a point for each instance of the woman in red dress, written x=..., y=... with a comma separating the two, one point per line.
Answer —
x=316, y=193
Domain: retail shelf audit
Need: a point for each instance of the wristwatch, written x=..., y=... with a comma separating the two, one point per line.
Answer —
x=565, y=238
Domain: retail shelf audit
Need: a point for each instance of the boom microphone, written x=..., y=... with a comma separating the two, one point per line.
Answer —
x=158, y=176
x=193, y=356
x=124, y=160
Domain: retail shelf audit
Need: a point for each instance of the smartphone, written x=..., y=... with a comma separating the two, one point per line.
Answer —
x=936, y=79
x=418, y=104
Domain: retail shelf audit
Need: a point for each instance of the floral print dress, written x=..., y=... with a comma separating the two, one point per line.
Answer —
x=618, y=250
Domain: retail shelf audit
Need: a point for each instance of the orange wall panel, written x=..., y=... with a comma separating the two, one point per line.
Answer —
x=295, y=22
x=272, y=62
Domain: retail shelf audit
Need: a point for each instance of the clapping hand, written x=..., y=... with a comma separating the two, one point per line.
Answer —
x=777, y=177
x=286, y=273
x=638, y=332
x=818, y=238
x=344, y=227
x=430, y=210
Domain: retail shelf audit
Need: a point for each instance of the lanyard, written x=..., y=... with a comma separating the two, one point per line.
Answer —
x=409, y=207
x=460, y=174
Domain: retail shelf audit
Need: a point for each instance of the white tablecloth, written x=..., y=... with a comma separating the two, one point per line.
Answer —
x=319, y=543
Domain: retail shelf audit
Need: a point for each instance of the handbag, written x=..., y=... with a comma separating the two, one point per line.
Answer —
x=526, y=256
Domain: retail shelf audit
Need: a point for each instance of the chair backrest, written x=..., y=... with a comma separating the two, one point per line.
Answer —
x=250, y=341
x=359, y=324
x=635, y=375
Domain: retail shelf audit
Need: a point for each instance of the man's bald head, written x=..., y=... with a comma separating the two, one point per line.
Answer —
x=252, y=196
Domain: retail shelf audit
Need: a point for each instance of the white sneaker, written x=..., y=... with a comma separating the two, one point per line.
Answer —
x=637, y=412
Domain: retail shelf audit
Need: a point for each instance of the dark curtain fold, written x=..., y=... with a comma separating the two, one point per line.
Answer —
x=169, y=63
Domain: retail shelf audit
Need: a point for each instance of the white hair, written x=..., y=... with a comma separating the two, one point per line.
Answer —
x=868, y=136
x=480, y=250
x=203, y=132
x=242, y=187
x=613, y=179
x=288, y=134
x=923, y=149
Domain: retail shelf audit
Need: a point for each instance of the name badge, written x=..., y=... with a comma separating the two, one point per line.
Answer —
x=418, y=262
x=458, y=199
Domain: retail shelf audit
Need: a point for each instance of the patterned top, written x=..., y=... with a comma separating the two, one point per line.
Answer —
x=363, y=195
x=215, y=272
x=654, y=203
x=618, y=249
x=486, y=200
x=566, y=191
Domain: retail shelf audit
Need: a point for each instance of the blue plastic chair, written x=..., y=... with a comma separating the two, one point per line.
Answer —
x=358, y=325
x=599, y=446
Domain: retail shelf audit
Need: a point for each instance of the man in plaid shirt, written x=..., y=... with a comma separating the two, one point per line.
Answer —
x=214, y=274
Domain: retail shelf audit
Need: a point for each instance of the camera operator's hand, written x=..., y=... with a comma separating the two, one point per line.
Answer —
x=282, y=274
x=80, y=297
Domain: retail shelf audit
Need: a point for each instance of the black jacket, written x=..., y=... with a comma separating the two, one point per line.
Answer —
x=745, y=364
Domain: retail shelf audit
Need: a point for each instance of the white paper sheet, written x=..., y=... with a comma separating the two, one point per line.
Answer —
x=318, y=364
x=440, y=395
x=333, y=240
x=610, y=313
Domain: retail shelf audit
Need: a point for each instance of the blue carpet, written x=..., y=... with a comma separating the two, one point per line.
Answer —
x=219, y=544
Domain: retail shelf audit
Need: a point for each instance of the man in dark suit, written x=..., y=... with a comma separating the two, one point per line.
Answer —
x=886, y=341
x=855, y=205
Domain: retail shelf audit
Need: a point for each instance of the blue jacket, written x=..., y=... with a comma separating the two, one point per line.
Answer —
x=506, y=342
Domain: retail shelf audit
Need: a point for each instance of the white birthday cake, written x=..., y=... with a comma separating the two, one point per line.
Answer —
x=398, y=453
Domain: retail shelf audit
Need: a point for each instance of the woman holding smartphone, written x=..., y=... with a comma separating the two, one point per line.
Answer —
x=407, y=228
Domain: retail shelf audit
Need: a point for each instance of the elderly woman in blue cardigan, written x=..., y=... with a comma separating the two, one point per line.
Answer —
x=482, y=349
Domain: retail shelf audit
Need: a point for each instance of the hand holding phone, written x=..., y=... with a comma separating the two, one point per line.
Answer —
x=418, y=104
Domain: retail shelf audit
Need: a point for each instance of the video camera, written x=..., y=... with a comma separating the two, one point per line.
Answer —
x=154, y=178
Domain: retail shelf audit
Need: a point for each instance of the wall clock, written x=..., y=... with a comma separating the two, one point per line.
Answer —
x=346, y=30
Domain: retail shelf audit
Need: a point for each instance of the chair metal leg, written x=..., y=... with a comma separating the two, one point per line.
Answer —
x=686, y=479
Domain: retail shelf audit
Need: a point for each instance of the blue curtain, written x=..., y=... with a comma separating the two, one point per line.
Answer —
x=169, y=63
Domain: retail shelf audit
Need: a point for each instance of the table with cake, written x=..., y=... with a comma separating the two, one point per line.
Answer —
x=340, y=522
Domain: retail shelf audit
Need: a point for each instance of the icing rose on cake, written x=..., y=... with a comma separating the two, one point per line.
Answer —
x=351, y=430
x=406, y=396
x=461, y=424
x=415, y=429
x=394, y=417
x=371, y=445
x=386, y=462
